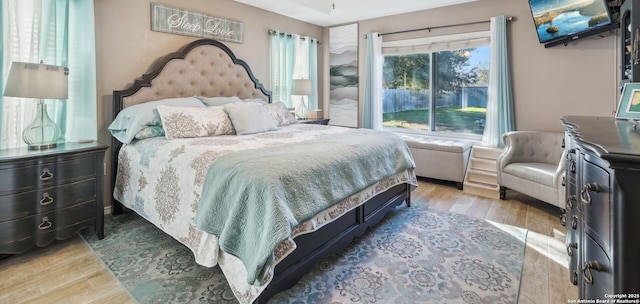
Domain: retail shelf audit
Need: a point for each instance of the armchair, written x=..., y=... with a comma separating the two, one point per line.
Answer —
x=533, y=164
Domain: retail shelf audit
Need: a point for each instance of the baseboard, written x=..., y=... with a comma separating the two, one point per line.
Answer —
x=107, y=210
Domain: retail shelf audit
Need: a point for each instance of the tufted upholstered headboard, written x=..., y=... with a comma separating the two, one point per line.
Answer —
x=204, y=67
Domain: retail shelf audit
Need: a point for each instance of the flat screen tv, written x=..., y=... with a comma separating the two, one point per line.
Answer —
x=559, y=19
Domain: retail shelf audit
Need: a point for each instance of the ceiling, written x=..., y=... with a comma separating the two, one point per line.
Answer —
x=334, y=12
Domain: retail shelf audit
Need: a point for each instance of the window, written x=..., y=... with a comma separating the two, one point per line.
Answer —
x=441, y=89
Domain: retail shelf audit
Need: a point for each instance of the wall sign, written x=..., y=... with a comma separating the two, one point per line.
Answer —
x=178, y=21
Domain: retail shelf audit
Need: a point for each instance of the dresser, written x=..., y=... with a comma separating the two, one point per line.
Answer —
x=603, y=206
x=50, y=195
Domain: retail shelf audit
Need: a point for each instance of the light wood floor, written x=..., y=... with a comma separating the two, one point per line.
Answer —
x=68, y=271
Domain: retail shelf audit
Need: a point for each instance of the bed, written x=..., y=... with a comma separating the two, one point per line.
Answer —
x=169, y=174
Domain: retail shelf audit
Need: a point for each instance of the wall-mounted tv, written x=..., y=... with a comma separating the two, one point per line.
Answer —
x=559, y=19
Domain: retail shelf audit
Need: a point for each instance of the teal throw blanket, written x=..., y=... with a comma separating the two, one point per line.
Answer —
x=252, y=199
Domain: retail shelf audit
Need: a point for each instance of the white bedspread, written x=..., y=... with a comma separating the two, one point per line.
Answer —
x=162, y=181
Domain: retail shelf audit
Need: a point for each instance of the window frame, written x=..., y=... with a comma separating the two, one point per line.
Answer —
x=432, y=45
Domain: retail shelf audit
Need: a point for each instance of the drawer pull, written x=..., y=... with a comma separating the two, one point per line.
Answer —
x=46, y=224
x=574, y=222
x=46, y=174
x=571, y=200
x=573, y=166
x=574, y=277
x=585, y=194
x=46, y=199
x=564, y=182
x=586, y=271
x=572, y=245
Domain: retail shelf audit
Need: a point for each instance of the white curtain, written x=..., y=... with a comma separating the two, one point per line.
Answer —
x=57, y=32
x=293, y=57
x=373, y=84
x=500, y=117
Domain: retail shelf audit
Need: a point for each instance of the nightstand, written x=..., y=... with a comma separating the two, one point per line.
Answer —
x=50, y=194
x=320, y=121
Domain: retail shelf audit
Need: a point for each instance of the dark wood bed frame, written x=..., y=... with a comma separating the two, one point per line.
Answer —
x=312, y=247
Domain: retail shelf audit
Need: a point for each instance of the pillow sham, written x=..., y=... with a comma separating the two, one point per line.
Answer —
x=218, y=101
x=258, y=100
x=182, y=122
x=134, y=118
x=280, y=113
x=150, y=131
x=250, y=118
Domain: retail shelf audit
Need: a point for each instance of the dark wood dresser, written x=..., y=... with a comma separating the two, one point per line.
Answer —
x=603, y=206
x=50, y=194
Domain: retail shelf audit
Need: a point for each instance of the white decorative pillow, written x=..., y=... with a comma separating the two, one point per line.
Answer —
x=249, y=117
x=258, y=100
x=280, y=113
x=133, y=119
x=218, y=101
x=181, y=122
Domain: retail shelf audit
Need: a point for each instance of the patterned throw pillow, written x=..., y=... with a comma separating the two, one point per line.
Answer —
x=281, y=114
x=180, y=122
x=150, y=131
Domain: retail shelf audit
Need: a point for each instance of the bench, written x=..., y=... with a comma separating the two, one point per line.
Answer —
x=439, y=157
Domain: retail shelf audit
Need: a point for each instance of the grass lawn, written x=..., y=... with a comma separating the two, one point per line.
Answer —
x=453, y=119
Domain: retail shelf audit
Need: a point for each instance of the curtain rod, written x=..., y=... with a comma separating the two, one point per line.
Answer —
x=273, y=32
x=509, y=18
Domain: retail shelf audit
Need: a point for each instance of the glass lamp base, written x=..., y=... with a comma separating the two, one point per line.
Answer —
x=42, y=133
x=42, y=147
x=302, y=112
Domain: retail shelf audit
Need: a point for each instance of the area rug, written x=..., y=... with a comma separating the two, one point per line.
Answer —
x=416, y=255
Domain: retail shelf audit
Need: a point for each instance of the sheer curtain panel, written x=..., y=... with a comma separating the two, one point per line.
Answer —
x=373, y=90
x=500, y=115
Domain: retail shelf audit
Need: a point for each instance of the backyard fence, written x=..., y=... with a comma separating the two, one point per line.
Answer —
x=397, y=100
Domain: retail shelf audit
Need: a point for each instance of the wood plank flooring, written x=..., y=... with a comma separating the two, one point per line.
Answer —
x=68, y=271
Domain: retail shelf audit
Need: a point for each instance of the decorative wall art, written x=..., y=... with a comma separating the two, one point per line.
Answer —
x=343, y=65
x=178, y=21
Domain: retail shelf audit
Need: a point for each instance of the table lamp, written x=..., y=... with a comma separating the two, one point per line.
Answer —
x=302, y=87
x=38, y=81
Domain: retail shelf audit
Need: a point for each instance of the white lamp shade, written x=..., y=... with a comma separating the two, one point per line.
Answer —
x=301, y=87
x=37, y=80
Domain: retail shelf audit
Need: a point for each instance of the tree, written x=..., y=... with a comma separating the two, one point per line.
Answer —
x=453, y=72
x=413, y=71
x=407, y=71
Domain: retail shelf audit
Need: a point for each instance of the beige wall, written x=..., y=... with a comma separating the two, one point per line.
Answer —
x=577, y=79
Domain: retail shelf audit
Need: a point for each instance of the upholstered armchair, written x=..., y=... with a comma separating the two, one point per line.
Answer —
x=533, y=164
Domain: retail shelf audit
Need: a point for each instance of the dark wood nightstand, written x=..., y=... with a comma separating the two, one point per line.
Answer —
x=320, y=121
x=50, y=194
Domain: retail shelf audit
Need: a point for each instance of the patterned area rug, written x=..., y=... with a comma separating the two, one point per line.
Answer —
x=415, y=255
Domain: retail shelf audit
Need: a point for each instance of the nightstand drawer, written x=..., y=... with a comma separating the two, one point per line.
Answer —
x=20, y=205
x=30, y=175
x=41, y=229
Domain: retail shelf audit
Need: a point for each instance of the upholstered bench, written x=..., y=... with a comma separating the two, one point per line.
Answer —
x=439, y=157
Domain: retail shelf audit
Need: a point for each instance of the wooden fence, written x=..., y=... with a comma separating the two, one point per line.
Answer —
x=396, y=100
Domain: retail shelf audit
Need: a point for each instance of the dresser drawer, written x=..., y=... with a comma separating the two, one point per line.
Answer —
x=20, y=205
x=29, y=175
x=596, y=204
x=42, y=228
x=596, y=271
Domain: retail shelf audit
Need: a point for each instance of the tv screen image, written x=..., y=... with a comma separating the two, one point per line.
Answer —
x=556, y=19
